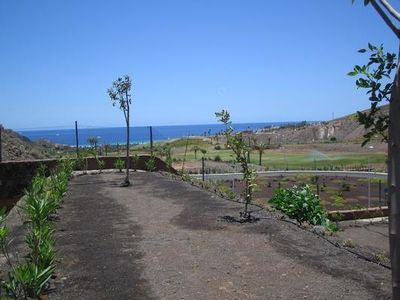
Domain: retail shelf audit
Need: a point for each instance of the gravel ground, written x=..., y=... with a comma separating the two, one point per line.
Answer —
x=165, y=239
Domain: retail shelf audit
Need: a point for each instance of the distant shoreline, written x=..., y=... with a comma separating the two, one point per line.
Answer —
x=140, y=134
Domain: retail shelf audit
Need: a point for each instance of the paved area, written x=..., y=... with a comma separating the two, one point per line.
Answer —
x=165, y=239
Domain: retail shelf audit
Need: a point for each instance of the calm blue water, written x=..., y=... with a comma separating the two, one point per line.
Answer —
x=138, y=135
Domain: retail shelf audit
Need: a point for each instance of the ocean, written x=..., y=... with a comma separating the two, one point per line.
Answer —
x=138, y=135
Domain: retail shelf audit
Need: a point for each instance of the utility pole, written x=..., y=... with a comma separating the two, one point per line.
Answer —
x=76, y=139
x=151, y=140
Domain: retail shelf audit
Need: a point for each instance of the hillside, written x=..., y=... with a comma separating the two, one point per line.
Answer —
x=343, y=129
x=18, y=147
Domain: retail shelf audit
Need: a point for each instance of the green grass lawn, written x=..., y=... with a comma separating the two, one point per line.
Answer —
x=276, y=159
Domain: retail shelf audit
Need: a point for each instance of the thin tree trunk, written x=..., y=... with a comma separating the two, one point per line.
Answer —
x=394, y=185
x=128, y=161
x=260, y=158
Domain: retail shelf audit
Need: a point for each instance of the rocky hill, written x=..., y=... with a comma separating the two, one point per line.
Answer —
x=344, y=129
x=18, y=147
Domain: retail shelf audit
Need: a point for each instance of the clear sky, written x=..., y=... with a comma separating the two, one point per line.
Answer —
x=262, y=60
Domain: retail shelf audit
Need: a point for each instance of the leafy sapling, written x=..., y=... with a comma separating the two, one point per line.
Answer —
x=119, y=164
x=120, y=96
x=240, y=148
x=375, y=77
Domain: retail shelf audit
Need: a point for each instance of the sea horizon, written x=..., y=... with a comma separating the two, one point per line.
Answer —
x=138, y=134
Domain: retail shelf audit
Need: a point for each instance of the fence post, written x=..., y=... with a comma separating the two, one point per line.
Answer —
x=76, y=139
x=202, y=168
x=1, y=129
x=151, y=140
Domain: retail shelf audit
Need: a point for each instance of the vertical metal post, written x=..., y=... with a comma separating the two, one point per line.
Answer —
x=202, y=168
x=369, y=192
x=380, y=191
x=151, y=140
x=76, y=139
x=1, y=129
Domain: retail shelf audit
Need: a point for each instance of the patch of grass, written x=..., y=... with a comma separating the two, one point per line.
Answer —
x=373, y=180
x=337, y=200
x=380, y=257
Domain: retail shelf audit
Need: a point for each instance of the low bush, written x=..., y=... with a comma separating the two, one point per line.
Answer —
x=301, y=204
x=217, y=158
x=29, y=279
x=119, y=164
x=151, y=164
x=217, y=147
x=135, y=159
x=101, y=163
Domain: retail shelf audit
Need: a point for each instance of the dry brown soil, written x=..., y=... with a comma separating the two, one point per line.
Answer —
x=352, y=191
x=164, y=239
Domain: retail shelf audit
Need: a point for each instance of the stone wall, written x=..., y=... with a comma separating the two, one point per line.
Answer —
x=15, y=176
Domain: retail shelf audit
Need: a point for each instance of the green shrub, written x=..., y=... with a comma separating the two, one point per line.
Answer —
x=101, y=164
x=338, y=200
x=42, y=199
x=217, y=158
x=27, y=281
x=345, y=186
x=302, y=204
x=135, y=159
x=151, y=164
x=217, y=147
x=119, y=164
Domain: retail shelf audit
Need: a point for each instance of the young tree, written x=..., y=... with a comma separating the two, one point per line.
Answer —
x=203, y=151
x=120, y=96
x=240, y=148
x=93, y=141
x=392, y=19
x=260, y=147
x=195, y=149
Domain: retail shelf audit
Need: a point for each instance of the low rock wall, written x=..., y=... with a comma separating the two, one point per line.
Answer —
x=15, y=176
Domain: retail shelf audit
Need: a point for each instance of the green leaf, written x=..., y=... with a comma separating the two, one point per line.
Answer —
x=353, y=73
x=362, y=50
x=370, y=46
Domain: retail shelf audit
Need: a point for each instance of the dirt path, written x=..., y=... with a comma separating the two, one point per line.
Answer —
x=164, y=239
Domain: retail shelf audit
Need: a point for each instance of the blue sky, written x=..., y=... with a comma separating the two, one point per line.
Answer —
x=262, y=60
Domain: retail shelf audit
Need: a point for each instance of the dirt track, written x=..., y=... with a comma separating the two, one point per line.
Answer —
x=164, y=239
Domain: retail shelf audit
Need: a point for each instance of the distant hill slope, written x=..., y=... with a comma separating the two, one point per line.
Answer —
x=18, y=147
x=344, y=129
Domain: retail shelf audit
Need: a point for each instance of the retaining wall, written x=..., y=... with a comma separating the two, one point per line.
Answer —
x=15, y=176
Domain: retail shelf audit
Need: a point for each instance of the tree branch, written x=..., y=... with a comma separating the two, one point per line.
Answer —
x=395, y=14
x=385, y=18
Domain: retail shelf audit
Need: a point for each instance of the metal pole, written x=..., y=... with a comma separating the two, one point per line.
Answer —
x=380, y=191
x=76, y=139
x=369, y=185
x=1, y=129
x=151, y=140
x=202, y=168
